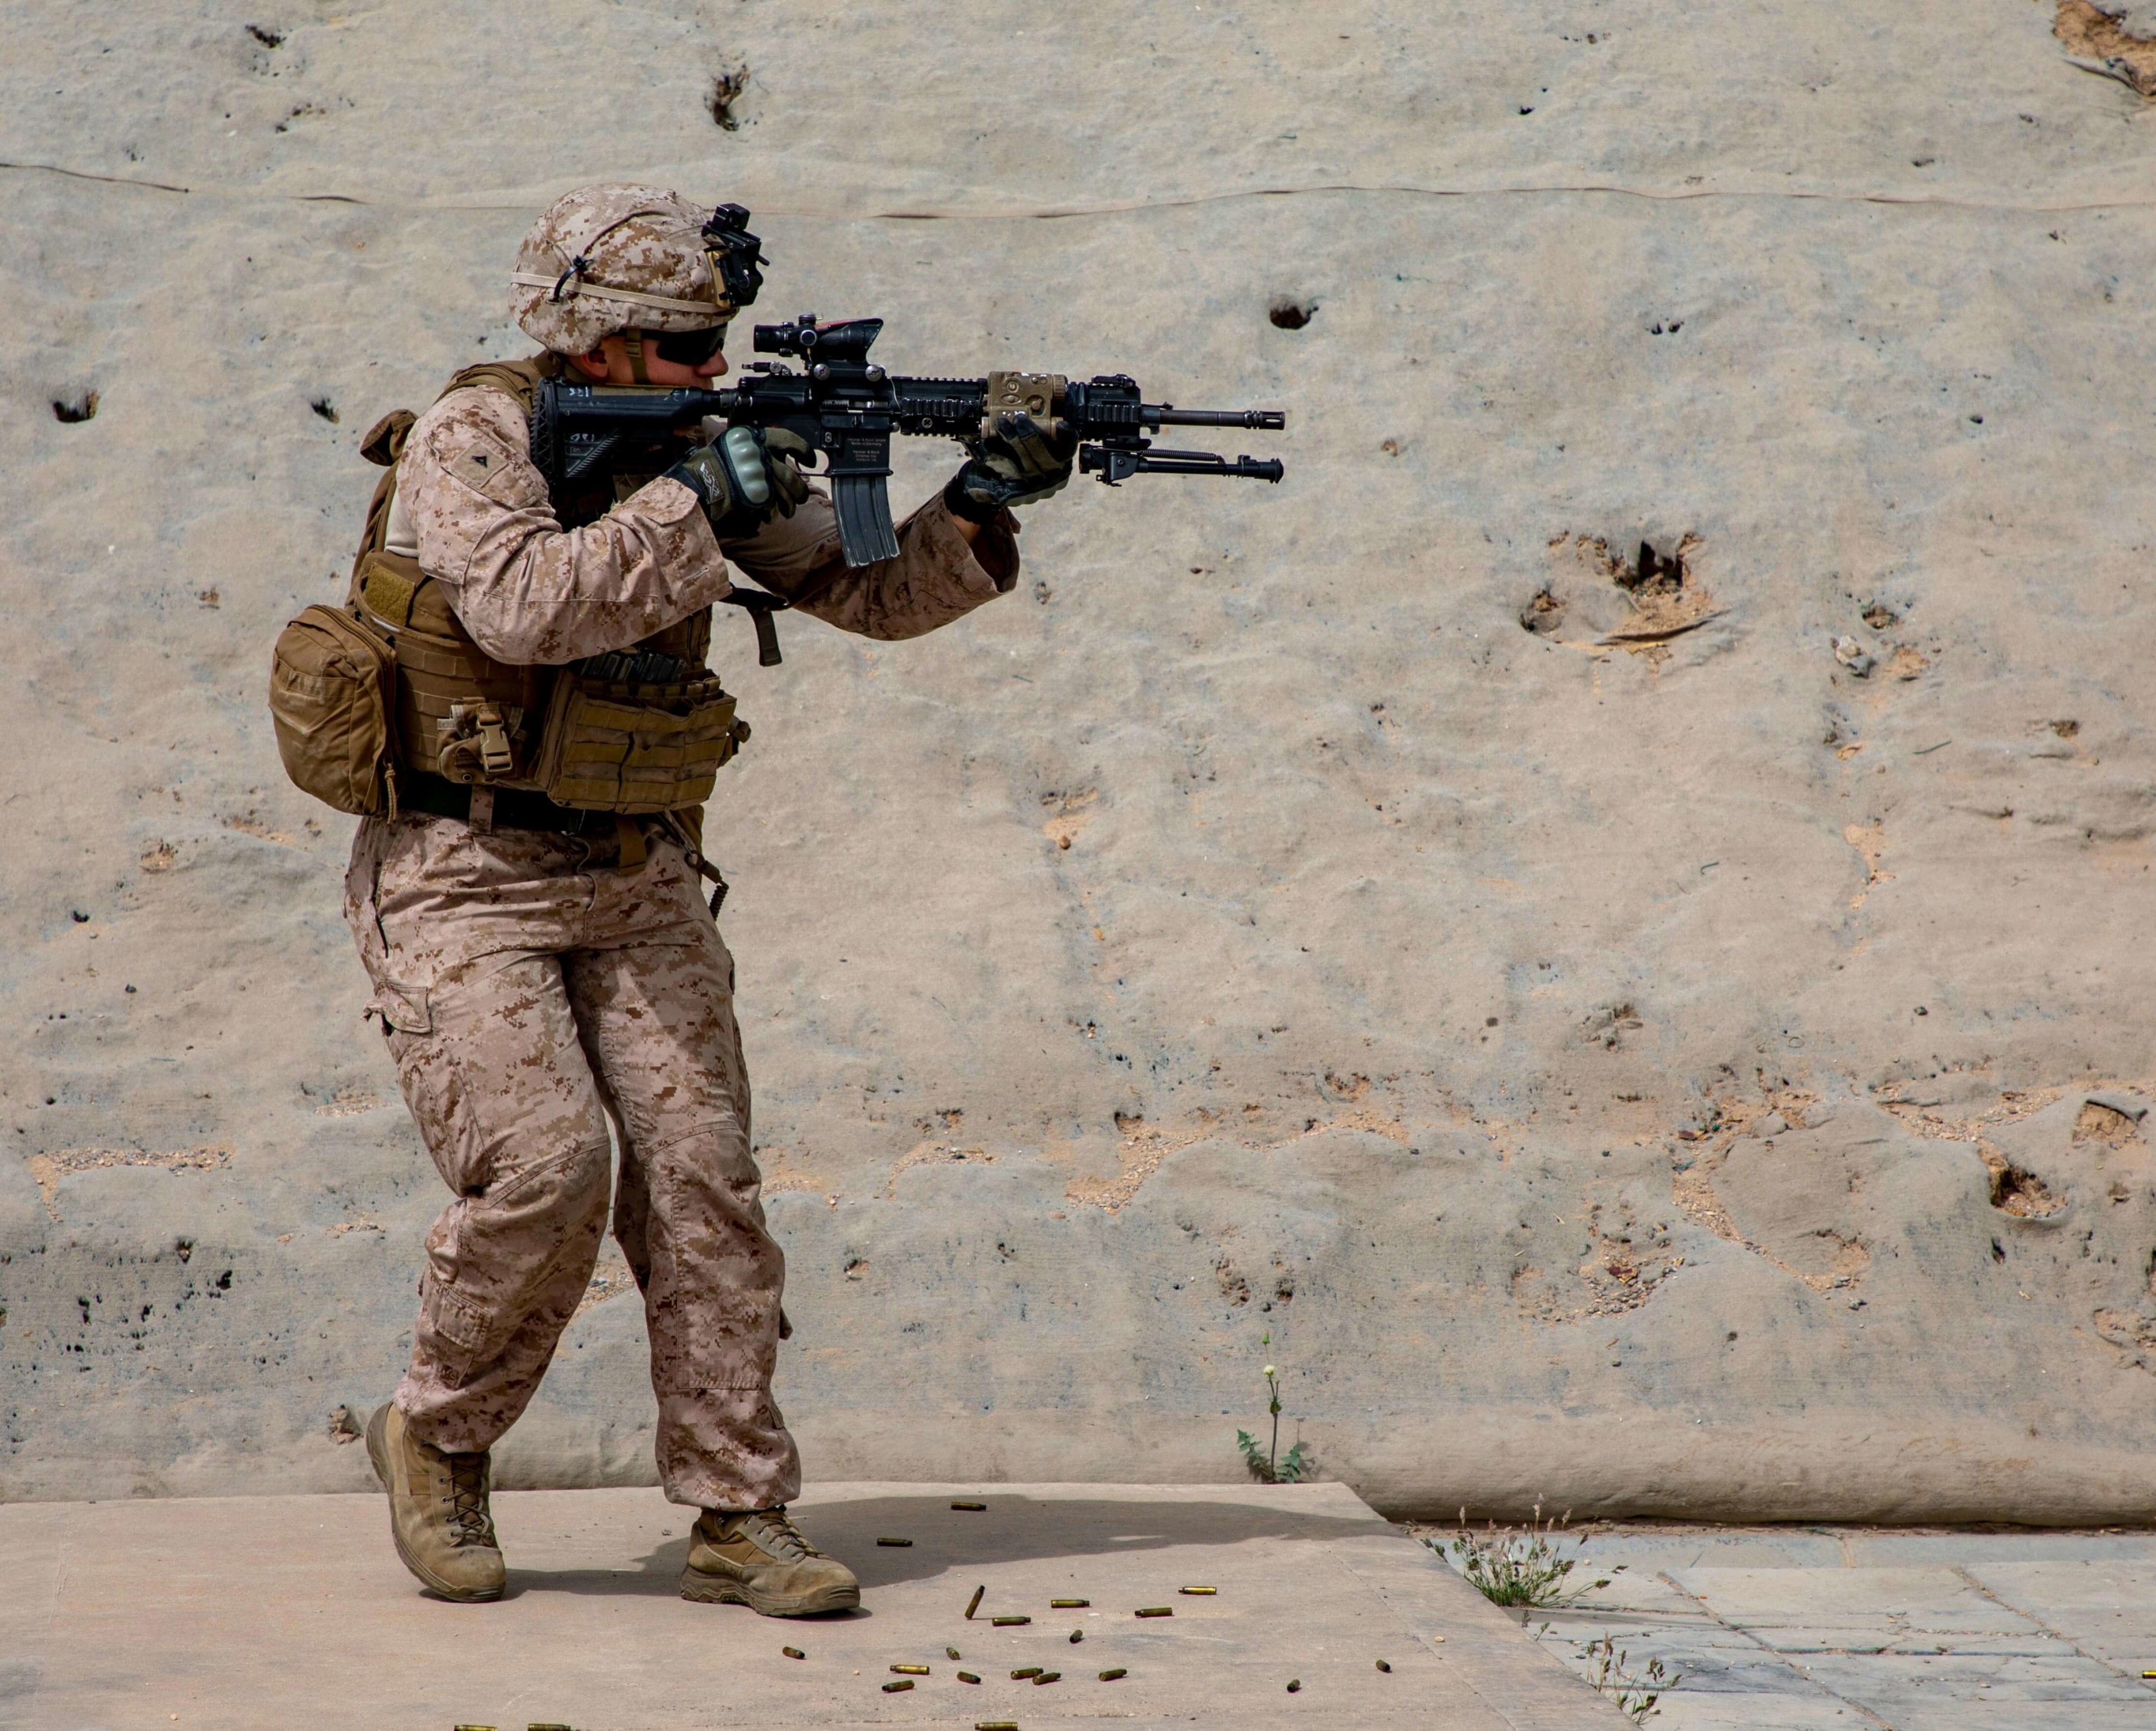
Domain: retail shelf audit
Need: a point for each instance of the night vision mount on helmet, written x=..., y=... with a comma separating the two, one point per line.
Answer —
x=735, y=255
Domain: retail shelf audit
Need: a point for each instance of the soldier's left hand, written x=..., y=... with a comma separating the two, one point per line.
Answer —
x=1022, y=460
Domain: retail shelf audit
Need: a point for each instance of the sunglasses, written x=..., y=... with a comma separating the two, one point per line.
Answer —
x=691, y=348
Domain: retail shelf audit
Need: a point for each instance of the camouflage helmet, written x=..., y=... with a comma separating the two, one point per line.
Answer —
x=607, y=258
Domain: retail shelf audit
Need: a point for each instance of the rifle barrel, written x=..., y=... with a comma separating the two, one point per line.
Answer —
x=1258, y=420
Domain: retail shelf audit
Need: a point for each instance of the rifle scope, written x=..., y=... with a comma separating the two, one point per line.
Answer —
x=847, y=342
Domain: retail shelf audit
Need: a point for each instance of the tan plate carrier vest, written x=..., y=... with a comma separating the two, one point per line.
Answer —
x=391, y=682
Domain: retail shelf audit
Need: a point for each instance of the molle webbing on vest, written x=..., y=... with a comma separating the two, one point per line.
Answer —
x=636, y=748
x=445, y=684
x=461, y=714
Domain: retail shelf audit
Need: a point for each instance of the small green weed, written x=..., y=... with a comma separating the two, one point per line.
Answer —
x=1268, y=1465
x=1512, y=1568
x=1287, y=1470
x=1635, y=1695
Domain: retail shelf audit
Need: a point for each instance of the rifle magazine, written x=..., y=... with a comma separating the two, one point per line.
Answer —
x=865, y=533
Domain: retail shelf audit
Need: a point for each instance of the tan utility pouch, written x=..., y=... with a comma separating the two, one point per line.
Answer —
x=635, y=747
x=330, y=701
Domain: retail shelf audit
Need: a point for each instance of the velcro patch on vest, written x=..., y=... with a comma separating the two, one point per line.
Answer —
x=386, y=585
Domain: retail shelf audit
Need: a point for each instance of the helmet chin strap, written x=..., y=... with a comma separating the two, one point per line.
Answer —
x=632, y=339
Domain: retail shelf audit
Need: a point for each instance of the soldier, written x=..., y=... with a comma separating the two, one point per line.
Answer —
x=541, y=970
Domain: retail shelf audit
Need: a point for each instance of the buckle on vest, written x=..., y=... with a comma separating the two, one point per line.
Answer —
x=480, y=732
x=495, y=756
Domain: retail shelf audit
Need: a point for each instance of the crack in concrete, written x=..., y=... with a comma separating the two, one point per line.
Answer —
x=1139, y=206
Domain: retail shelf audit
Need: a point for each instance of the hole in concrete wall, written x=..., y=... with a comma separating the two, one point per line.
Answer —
x=2094, y=35
x=727, y=90
x=2017, y=1191
x=1607, y=1026
x=1543, y=614
x=326, y=410
x=82, y=408
x=1291, y=314
x=2098, y=1122
x=266, y=36
x=1652, y=572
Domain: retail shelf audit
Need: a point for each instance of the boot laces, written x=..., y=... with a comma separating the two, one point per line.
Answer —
x=772, y=1530
x=468, y=1510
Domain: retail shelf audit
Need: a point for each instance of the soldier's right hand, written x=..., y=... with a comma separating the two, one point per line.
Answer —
x=745, y=476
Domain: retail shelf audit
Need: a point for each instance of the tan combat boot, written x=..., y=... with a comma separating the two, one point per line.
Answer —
x=760, y=1559
x=437, y=1511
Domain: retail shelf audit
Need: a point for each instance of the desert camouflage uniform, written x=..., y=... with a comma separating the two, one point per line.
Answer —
x=530, y=990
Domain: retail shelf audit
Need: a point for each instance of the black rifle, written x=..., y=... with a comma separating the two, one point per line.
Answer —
x=845, y=405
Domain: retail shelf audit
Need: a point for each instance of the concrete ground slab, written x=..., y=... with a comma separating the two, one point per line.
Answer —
x=1655, y=1549
x=1694, y=1713
x=1897, y=1683
x=1958, y=1715
x=2104, y=1605
x=1887, y=1603
x=1780, y=1629
x=276, y=1611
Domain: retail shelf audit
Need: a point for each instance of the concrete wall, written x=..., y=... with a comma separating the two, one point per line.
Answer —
x=1620, y=1053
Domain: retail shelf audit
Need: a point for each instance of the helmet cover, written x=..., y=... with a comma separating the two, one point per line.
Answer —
x=611, y=257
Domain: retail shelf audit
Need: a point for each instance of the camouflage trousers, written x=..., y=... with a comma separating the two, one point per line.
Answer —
x=531, y=992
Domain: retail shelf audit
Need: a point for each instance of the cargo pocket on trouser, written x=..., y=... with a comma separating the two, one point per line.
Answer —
x=455, y=1326
x=403, y=1008
x=505, y=1099
x=502, y=1283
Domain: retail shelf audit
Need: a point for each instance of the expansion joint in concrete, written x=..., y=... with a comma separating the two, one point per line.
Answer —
x=1708, y=1612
